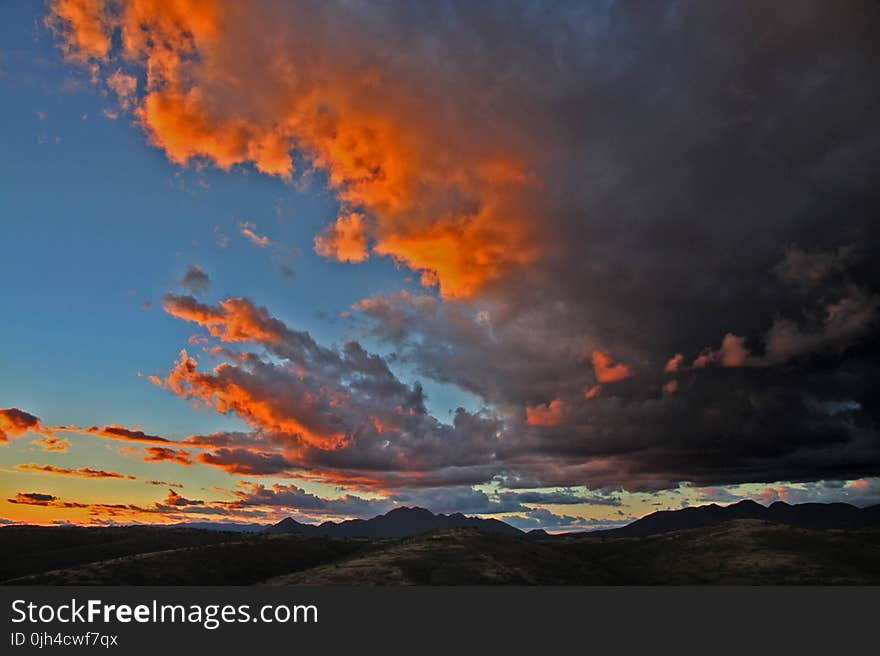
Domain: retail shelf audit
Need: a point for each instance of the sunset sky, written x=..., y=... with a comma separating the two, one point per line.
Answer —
x=562, y=264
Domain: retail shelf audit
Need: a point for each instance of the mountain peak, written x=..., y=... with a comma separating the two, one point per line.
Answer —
x=413, y=511
x=288, y=521
x=746, y=503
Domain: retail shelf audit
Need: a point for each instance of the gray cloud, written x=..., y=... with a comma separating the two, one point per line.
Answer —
x=295, y=498
x=544, y=519
x=562, y=497
x=195, y=280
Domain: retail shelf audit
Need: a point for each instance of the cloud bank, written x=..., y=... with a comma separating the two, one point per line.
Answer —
x=649, y=266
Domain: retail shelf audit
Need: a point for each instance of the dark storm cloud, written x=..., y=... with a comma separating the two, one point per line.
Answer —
x=710, y=192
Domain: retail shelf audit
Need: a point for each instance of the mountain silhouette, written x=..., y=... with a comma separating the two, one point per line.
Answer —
x=398, y=523
x=804, y=515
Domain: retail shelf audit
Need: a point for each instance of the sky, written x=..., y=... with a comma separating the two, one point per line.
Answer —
x=562, y=264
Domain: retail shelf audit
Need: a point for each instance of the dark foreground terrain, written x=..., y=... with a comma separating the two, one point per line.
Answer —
x=724, y=547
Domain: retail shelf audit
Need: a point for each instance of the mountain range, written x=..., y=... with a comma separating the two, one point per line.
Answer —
x=406, y=522
x=804, y=515
x=398, y=523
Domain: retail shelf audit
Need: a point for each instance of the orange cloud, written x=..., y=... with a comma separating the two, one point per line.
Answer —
x=674, y=363
x=172, y=508
x=125, y=88
x=249, y=231
x=55, y=444
x=160, y=454
x=593, y=392
x=773, y=494
x=164, y=483
x=606, y=370
x=225, y=390
x=15, y=422
x=178, y=122
x=732, y=353
x=34, y=499
x=115, y=432
x=460, y=257
x=345, y=240
x=447, y=195
x=83, y=26
x=551, y=414
x=234, y=320
x=122, y=433
x=671, y=387
x=174, y=499
x=84, y=472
